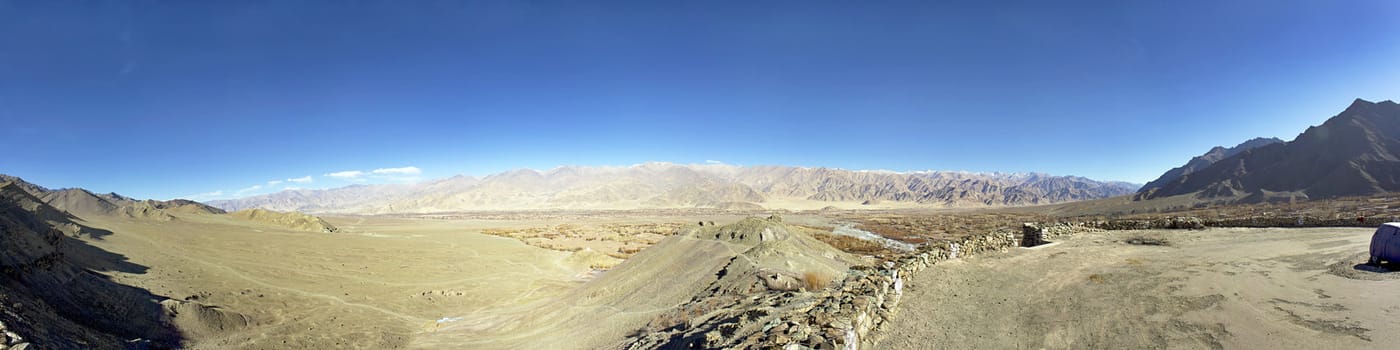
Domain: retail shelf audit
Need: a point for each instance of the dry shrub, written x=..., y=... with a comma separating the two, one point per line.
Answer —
x=1096, y=278
x=815, y=281
x=1140, y=240
x=852, y=245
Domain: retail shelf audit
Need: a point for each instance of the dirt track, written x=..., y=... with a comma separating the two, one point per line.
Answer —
x=1221, y=288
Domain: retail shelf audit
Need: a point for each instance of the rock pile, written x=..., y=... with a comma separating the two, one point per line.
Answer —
x=844, y=315
x=13, y=340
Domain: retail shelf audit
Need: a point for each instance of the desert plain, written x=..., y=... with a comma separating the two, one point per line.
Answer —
x=442, y=282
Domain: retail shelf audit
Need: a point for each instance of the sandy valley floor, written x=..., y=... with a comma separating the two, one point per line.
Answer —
x=395, y=282
x=379, y=283
x=375, y=285
x=1220, y=288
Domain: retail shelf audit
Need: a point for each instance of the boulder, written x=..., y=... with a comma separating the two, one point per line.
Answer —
x=780, y=280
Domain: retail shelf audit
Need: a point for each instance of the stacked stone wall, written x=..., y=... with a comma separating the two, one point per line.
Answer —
x=849, y=315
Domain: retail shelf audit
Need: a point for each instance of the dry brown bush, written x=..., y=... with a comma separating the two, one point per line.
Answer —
x=815, y=281
x=853, y=245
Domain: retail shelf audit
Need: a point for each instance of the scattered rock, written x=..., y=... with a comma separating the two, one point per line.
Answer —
x=780, y=281
x=195, y=318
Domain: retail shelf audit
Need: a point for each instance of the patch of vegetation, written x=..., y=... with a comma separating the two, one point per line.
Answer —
x=1096, y=278
x=1154, y=241
x=815, y=281
x=853, y=245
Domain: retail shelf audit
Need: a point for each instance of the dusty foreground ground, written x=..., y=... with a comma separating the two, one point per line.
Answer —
x=1220, y=288
x=378, y=283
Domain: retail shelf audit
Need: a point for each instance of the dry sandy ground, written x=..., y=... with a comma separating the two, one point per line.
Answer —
x=375, y=285
x=379, y=283
x=1220, y=288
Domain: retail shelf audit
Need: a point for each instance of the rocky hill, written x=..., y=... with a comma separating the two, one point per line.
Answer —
x=52, y=298
x=293, y=220
x=702, y=270
x=666, y=185
x=1353, y=153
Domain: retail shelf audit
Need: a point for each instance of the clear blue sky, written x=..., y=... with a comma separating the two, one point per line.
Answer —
x=172, y=98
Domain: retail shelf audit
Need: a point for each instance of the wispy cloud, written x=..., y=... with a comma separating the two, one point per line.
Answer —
x=711, y=161
x=301, y=180
x=408, y=170
x=204, y=196
x=274, y=182
x=348, y=174
x=252, y=188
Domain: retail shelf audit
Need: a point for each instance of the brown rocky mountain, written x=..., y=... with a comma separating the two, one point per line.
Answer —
x=1205, y=160
x=666, y=185
x=1353, y=153
x=52, y=293
x=83, y=203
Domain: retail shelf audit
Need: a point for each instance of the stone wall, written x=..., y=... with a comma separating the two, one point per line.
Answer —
x=1194, y=223
x=840, y=317
x=848, y=315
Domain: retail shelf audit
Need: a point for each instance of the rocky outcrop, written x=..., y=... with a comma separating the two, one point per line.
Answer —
x=292, y=220
x=56, y=302
x=845, y=315
x=700, y=270
x=200, y=321
x=52, y=298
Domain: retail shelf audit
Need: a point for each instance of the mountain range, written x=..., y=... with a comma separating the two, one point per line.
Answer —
x=1351, y=154
x=84, y=203
x=1210, y=157
x=667, y=185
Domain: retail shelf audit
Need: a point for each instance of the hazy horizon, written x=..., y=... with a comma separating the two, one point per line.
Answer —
x=184, y=99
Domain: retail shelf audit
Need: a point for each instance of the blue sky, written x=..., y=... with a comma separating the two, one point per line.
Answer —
x=180, y=99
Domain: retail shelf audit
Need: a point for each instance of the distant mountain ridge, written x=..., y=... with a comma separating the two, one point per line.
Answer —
x=1205, y=160
x=1351, y=154
x=667, y=185
x=83, y=203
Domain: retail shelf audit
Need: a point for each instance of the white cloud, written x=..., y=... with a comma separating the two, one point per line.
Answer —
x=204, y=196
x=711, y=161
x=248, y=189
x=348, y=174
x=303, y=179
x=274, y=182
x=408, y=170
